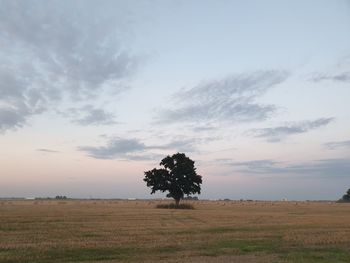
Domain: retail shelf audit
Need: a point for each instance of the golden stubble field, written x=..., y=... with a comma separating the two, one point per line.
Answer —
x=135, y=231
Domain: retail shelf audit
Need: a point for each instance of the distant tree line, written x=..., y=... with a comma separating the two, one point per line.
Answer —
x=61, y=197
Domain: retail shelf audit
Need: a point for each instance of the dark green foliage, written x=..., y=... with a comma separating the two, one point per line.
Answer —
x=346, y=197
x=178, y=177
x=61, y=197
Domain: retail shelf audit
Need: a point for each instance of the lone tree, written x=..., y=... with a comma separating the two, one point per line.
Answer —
x=178, y=177
x=346, y=197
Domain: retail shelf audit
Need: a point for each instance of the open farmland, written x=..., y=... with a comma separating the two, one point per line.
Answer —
x=135, y=231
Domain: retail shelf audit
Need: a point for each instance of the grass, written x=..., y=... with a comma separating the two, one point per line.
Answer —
x=239, y=247
x=69, y=255
x=318, y=256
x=135, y=231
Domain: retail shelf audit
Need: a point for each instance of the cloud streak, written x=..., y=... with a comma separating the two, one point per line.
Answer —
x=90, y=115
x=279, y=133
x=232, y=99
x=338, y=145
x=327, y=168
x=133, y=149
x=46, y=150
x=340, y=77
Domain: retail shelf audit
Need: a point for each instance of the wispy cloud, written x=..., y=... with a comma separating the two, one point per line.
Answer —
x=257, y=166
x=46, y=150
x=341, y=77
x=327, y=168
x=11, y=118
x=115, y=148
x=134, y=149
x=90, y=115
x=53, y=50
x=279, y=133
x=338, y=145
x=230, y=99
x=203, y=128
x=18, y=100
x=338, y=73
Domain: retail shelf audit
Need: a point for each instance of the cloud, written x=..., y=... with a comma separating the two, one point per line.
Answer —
x=230, y=99
x=203, y=128
x=338, y=73
x=47, y=150
x=330, y=168
x=11, y=118
x=59, y=50
x=338, y=145
x=341, y=77
x=115, y=148
x=279, y=133
x=257, y=165
x=133, y=149
x=90, y=115
x=18, y=100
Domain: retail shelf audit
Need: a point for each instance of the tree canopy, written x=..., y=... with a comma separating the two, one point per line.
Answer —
x=178, y=177
x=346, y=197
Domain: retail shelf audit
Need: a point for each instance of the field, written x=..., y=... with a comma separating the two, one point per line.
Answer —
x=135, y=231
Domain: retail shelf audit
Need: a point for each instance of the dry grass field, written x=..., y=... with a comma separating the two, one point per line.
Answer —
x=135, y=231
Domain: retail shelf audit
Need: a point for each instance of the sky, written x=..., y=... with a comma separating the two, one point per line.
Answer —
x=94, y=93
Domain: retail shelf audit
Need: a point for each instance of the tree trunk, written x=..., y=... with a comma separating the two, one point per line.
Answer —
x=177, y=201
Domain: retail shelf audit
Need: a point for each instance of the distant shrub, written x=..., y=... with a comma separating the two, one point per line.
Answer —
x=174, y=206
